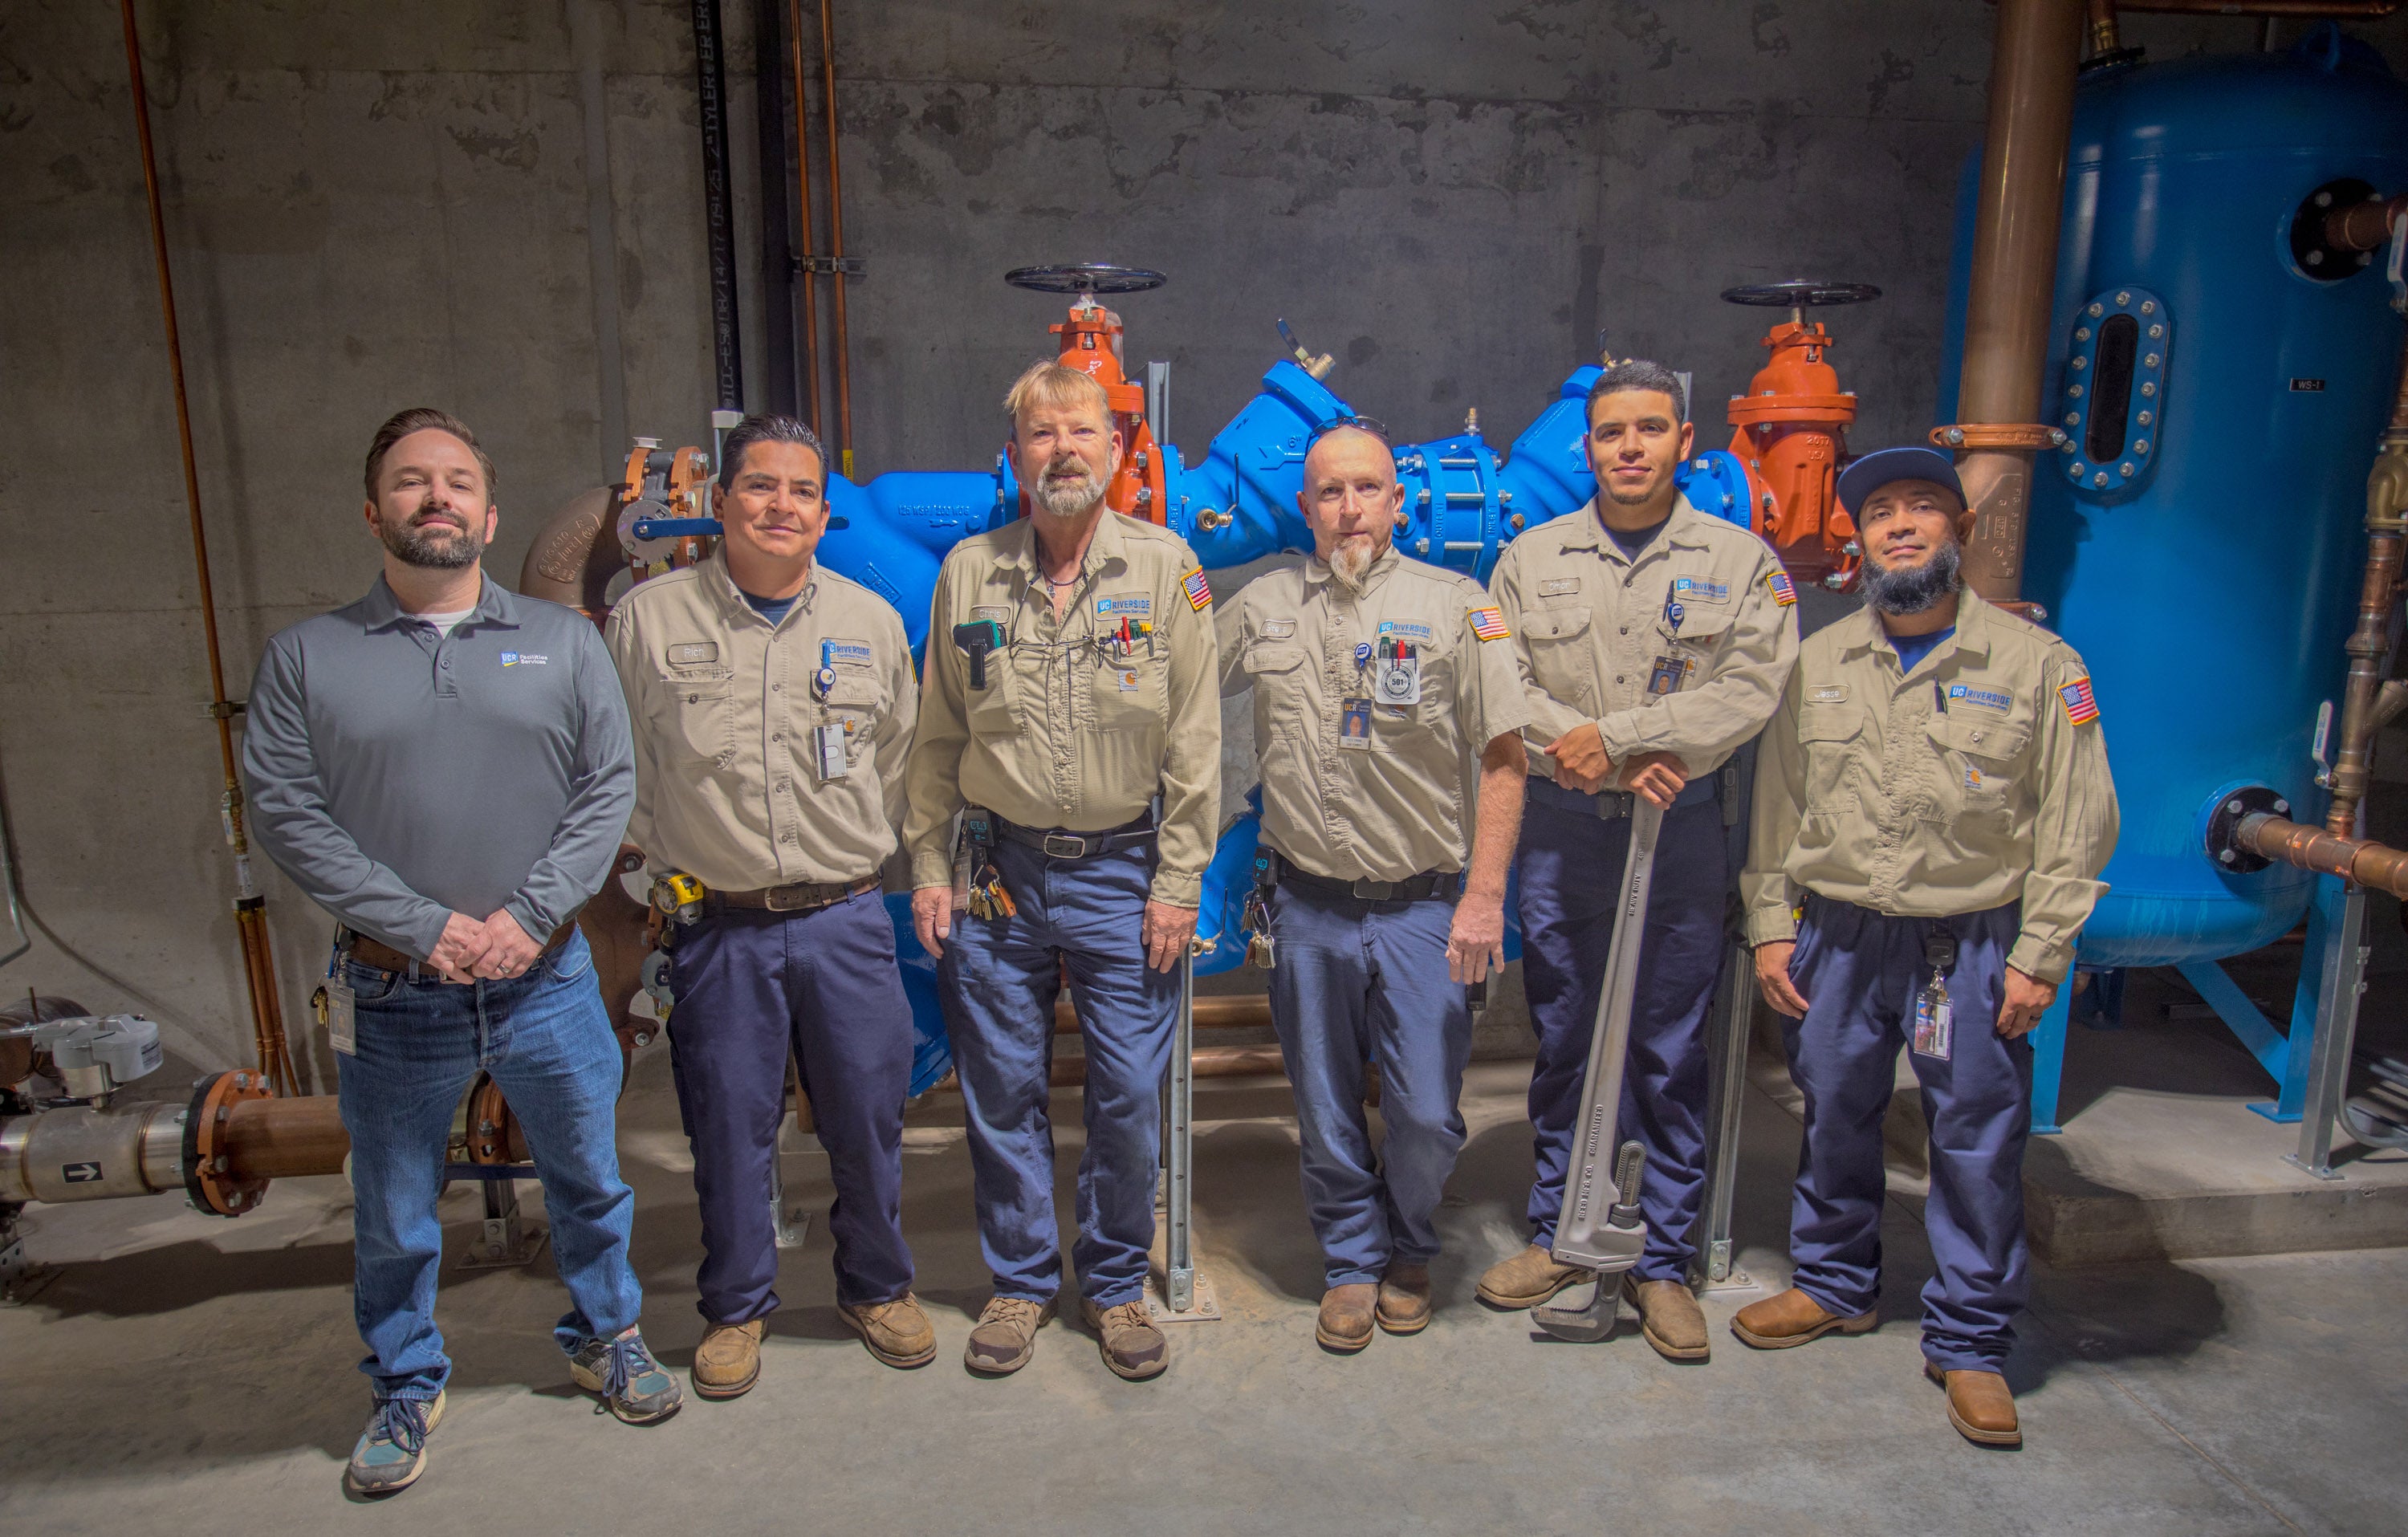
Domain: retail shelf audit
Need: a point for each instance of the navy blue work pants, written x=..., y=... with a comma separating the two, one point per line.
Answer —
x=1000, y=979
x=754, y=988
x=1859, y=972
x=1570, y=867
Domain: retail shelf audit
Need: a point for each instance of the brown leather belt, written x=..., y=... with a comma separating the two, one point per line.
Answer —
x=802, y=896
x=384, y=957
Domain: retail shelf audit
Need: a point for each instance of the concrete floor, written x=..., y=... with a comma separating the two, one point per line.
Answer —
x=194, y=1375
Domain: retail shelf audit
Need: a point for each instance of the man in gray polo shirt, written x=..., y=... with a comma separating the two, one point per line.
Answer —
x=446, y=768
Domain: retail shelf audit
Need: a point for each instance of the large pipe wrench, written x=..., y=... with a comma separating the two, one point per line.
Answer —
x=1599, y=1227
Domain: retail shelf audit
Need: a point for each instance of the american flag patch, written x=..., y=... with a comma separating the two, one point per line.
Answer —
x=1488, y=624
x=2080, y=708
x=1199, y=592
x=1785, y=592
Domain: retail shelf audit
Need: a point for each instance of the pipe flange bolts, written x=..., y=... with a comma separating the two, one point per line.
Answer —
x=2224, y=819
x=209, y=1179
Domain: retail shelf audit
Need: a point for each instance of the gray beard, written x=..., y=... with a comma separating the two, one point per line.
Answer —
x=1916, y=589
x=411, y=547
x=1069, y=500
x=1351, y=562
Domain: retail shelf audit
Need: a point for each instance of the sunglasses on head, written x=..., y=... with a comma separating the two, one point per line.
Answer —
x=1371, y=425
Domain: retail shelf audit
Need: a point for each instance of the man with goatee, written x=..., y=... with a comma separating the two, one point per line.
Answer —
x=1067, y=765
x=1932, y=810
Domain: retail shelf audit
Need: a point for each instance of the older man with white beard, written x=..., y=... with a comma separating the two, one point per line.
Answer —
x=1069, y=728
x=1388, y=709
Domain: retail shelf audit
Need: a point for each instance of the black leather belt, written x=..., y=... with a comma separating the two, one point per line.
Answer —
x=1412, y=888
x=1058, y=844
x=380, y=957
x=801, y=897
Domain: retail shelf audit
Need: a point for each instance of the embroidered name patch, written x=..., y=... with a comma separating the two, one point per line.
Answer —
x=1488, y=624
x=693, y=652
x=1405, y=627
x=995, y=612
x=1828, y=693
x=1784, y=591
x=1278, y=629
x=1559, y=587
x=1136, y=605
x=2080, y=707
x=1989, y=698
x=1199, y=592
x=1701, y=589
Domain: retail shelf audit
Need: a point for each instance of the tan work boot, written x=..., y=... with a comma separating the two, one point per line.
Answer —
x=1792, y=1318
x=1528, y=1279
x=1006, y=1335
x=1127, y=1340
x=728, y=1361
x=897, y=1332
x=1404, y=1299
x=1979, y=1405
x=1345, y=1321
x=1669, y=1318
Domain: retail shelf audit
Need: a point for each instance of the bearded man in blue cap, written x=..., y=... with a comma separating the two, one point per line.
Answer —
x=1932, y=810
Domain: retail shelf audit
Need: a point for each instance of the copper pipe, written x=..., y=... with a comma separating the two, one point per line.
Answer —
x=2370, y=644
x=2376, y=865
x=250, y=921
x=2340, y=11
x=2365, y=225
x=836, y=238
x=2104, y=36
x=1226, y=1013
x=2033, y=62
x=803, y=187
x=284, y=1139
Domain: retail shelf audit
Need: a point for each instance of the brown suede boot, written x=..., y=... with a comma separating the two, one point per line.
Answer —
x=728, y=1361
x=897, y=1332
x=1004, y=1335
x=1979, y=1405
x=1792, y=1318
x=1346, y=1322
x=1127, y=1338
x=1404, y=1306
x=1669, y=1318
x=1528, y=1279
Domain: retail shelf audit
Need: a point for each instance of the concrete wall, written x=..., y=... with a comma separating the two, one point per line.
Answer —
x=459, y=203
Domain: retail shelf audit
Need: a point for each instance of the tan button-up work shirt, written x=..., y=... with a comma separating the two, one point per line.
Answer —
x=1597, y=641
x=727, y=787
x=1072, y=731
x=1977, y=780
x=1401, y=802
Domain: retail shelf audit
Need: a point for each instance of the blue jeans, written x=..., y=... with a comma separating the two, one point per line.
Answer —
x=1570, y=865
x=1357, y=982
x=546, y=1040
x=752, y=989
x=1859, y=972
x=1000, y=979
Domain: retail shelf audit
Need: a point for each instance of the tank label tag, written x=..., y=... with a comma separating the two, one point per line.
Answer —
x=2307, y=386
x=1989, y=698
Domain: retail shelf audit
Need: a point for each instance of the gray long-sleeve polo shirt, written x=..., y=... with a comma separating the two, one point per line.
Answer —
x=399, y=777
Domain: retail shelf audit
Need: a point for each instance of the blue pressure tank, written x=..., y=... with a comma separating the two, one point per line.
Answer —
x=2221, y=380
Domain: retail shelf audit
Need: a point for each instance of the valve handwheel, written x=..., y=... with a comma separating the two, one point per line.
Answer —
x=1801, y=295
x=1085, y=277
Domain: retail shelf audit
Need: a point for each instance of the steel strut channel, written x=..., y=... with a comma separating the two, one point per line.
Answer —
x=1182, y=1295
x=1600, y=1228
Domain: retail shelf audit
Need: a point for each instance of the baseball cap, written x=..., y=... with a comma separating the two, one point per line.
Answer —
x=1882, y=467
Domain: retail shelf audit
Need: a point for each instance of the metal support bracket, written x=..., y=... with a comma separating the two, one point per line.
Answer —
x=793, y=1224
x=2340, y=981
x=820, y=267
x=507, y=1241
x=19, y=1277
x=1181, y=1295
x=1730, y=1016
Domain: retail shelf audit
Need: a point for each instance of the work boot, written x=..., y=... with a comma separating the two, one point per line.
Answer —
x=897, y=1332
x=1404, y=1299
x=728, y=1361
x=1006, y=1335
x=1345, y=1321
x=1669, y=1318
x=634, y=1386
x=1979, y=1405
x=1127, y=1337
x=1792, y=1318
x=392, y=1452
x=1528, y=1279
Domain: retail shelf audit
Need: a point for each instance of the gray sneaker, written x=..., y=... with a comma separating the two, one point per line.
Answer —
x=634, y=1386
x=392, y=1452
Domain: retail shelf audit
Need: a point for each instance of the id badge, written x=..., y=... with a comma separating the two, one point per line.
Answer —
x=1398, y=681
x=1354, y=725
x=1668, y=674
x=342, y=1017
x=1933, y=1020
x=827, y=752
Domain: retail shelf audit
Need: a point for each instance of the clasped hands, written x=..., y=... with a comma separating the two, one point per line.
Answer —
x=1582, y=766
x=493, y=950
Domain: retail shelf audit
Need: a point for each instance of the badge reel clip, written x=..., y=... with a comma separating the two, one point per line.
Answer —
x=1256, y=917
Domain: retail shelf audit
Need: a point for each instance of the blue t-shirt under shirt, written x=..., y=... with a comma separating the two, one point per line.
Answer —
x=1913, y=649
x=1637, y=539
x=771, y=609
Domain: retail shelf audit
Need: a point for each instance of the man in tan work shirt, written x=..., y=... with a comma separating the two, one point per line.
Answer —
x=1386, y=713
x=772, y=700
x=1932, y=810
x=1071, y=731
x=1653, y=641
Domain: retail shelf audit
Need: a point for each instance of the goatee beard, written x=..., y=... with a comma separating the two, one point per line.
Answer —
x=1351, y=562
x=411, y=546
x=1915, y=589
